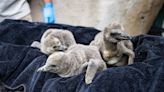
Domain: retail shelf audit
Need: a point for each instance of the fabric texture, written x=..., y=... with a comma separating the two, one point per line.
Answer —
x=13, y=9
x=19, y=62
x=156, y=31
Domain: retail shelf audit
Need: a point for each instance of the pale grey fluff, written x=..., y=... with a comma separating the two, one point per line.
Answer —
x=77, y=59
x=114, y=45
x=55, y=40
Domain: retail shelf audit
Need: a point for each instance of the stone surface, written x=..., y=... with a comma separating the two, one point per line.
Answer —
x=136, y=16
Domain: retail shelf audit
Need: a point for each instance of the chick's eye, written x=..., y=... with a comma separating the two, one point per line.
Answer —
x=54, y=46
x=53, y=65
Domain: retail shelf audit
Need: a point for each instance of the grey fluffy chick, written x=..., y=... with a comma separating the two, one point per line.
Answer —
x=77, y=59
x=55, y=40
x=114, y=45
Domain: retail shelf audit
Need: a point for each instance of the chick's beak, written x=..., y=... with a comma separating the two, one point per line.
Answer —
x=120, y=36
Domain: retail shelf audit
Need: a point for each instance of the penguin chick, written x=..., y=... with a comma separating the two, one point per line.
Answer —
x=114, y=45
x=54, y=40
x=77, y=59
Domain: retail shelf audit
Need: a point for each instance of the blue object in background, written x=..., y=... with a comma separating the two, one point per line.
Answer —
x=48, y=12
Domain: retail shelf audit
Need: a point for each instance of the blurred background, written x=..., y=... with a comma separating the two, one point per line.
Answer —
x=137, y=16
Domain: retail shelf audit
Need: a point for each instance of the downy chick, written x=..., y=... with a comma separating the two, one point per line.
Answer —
x=55, y=40
x=77, y=59
x=114, y=45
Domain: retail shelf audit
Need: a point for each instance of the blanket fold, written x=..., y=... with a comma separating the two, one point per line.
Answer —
x=19, y=62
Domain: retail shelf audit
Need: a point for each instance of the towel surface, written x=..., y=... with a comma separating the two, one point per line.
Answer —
x=19, y=62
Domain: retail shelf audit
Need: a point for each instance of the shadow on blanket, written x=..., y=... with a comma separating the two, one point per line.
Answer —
x=19, y=62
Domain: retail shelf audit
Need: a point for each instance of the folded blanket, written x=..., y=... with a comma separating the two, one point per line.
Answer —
x=156, y=31
x=19, y=62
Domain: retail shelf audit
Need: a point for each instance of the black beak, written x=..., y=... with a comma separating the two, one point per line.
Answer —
x=123, y=38
x=120, y=36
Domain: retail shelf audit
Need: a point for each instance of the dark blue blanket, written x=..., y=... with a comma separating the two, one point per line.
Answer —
x=19, y=62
